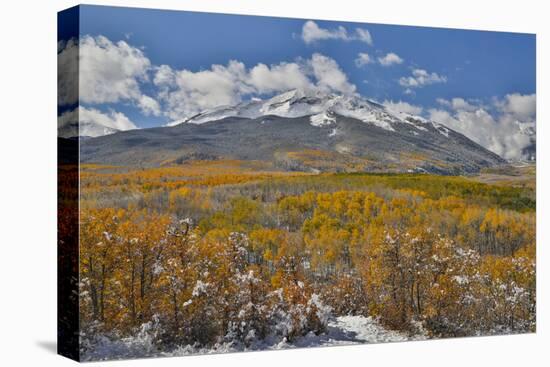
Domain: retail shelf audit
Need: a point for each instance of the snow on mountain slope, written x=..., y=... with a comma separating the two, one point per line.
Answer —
x=94, y=129
x=356, y=133
x=322, y=119
x=85, y=129
x=91, y=123
x=299, y=103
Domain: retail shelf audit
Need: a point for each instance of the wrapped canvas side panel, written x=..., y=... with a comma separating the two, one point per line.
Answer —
x=67, y=174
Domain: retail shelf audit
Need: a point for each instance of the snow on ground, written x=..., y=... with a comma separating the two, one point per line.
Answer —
x=346, y=330
x=343, y=330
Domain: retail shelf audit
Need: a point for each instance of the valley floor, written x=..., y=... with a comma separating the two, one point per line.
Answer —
x=343, y=330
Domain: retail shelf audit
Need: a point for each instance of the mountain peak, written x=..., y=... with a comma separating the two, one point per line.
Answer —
x=315, y=103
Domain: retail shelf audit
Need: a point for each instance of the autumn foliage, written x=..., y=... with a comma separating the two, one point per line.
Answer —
x=206, y=258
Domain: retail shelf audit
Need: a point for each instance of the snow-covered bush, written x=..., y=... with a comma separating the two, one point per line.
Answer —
x=296, y=312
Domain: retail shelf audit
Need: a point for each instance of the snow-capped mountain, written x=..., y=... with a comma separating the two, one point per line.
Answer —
x=85, y=129
x=319, y=106
x=90, y=123
x=301, y=131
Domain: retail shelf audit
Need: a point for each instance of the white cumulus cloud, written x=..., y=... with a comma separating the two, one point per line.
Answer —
x=110, y=72
x=401, y=106
x=115, y=72
x=329, y=76
x=311, y=33
x=112, y=119
x=107, y=72
x=444, y=102
x=92, y=122
x=363, y=59
x=284, y=76
x=363, y=35
x=521, y=106
x=185, y=93
x=421, y=78
x=390, y=59
x=148, y=105
x=502, y=132
x=457, y=103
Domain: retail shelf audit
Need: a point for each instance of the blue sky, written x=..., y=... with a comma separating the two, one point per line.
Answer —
x=481, y=68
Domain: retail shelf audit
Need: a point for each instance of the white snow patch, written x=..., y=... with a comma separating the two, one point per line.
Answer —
x=441, y=129
x=322, y=119
x=366, y=330
x=342, y=330
x=444, y=131
x=200, y=288
x=299, y=103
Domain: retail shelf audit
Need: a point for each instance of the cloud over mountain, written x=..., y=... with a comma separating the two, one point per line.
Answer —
x=405, y=107
x=501, y=128
x=185, y=92
x=92, y=122
x=117, y=76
